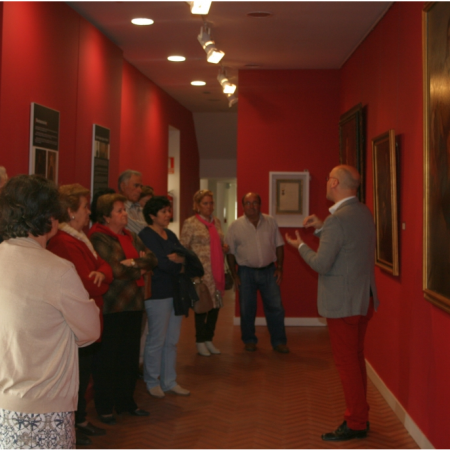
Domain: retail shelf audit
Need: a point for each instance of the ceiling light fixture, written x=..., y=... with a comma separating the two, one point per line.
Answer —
x=176, y=58
x=213, y=55
x=198, y=83
x=232, y=99
x=200, y=7
x=142, y=21
x=228, y=88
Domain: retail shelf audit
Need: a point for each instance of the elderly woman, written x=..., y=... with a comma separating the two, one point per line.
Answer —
x=72, y=244
x=160, y=353
x=116, y=368
x=46, y=315
x=202, y=233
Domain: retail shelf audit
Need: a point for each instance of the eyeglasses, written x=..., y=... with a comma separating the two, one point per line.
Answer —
x=255, y=203
x=328, y=177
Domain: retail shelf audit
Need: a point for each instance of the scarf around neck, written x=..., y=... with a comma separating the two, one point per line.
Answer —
x=64, y=226
x=215, y=246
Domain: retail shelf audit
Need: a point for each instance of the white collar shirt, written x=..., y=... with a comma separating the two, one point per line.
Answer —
x=254, y=246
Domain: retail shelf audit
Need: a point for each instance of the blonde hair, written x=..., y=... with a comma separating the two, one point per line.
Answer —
x=199, y=196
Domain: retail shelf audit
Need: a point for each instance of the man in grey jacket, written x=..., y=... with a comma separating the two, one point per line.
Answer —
x=347, y=295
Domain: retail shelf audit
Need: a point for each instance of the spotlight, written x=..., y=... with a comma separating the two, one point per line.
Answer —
x=142, y=21
x=176, y=58
x=228, y=88
x=232, y=99
x=200, y=7
x=198, y=83
x=213, y=55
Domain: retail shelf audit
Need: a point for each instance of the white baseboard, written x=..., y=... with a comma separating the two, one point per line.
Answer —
x=415, y=432
x=290, y=321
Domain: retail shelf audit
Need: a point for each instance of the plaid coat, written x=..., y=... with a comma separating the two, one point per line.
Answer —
x=123, y=294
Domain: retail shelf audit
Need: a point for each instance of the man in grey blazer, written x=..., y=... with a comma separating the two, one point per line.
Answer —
x=347, y=295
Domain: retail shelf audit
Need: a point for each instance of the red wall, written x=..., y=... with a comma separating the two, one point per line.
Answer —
x=408, y=340
x=52, y=56
x=147, y=112
x=287, y=121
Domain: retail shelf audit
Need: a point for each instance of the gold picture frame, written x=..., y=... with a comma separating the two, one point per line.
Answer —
x=352, y=143
x=385, y=201
x=436, y=198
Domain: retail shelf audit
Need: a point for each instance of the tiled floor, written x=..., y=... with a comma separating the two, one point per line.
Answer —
x=251, y=400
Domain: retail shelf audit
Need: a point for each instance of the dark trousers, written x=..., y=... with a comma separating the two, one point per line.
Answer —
x=205, y=325
x=85, y=355
x=116, y=364
x=347, y=342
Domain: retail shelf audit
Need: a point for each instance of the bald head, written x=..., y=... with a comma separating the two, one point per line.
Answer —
x=348, y=177
x=343, y=182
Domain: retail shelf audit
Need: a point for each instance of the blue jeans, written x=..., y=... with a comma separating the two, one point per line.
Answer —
x=160, y=353
x=263, y=280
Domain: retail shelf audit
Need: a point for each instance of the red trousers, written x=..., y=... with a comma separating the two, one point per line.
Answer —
x=347, y=342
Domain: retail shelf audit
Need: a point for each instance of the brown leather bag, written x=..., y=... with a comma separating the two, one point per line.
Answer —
x=204, y=302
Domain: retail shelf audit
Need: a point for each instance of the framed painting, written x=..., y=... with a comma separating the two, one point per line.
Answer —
x=351, y=143
x=385, y=201
x=436, y=207
x=289, y=197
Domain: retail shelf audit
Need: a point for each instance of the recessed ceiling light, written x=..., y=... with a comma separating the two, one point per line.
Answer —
x=198, y=83
x=142, y=21
x=259, y=14
x=176, y=58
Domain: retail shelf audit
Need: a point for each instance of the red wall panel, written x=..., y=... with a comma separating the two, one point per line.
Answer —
x=408, y=339
x=39, y=64
x=288, y=121
x=52, y=56
x=98, y=100
x=147, y=112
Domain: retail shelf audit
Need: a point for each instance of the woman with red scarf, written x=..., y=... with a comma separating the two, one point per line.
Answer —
x=116, y=367
x=202, y=233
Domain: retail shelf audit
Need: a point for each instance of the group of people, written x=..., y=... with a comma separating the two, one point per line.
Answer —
x=90, y=313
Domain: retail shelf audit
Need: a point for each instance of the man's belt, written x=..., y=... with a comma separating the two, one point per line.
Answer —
x=260, y=268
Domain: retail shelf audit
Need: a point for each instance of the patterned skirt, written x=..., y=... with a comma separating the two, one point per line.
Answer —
x=50, y=430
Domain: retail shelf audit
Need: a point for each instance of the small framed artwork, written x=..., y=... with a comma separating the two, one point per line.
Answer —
x=436, y=203
x=289, y=197
x=352, y=143
x=385, y=201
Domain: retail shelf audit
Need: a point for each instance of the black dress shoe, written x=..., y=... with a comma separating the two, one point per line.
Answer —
x=109, y=419
x=91, y=430
x=82, y=439
x=344, y=433
x=250, y=347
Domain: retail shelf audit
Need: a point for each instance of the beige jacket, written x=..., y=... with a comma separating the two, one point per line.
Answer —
x=45, y=315
x=195, y=236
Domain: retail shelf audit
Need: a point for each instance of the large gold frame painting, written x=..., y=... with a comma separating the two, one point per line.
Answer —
x=385, y=201
x=436, y=76
x=351, y=143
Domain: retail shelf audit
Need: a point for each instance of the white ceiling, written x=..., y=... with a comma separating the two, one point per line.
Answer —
x=297, y=35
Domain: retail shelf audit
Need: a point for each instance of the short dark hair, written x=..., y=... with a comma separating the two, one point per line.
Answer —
x=27, y=205
x=70, y=197
x=105, y=205
x=95, y=197
x=154, y=205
